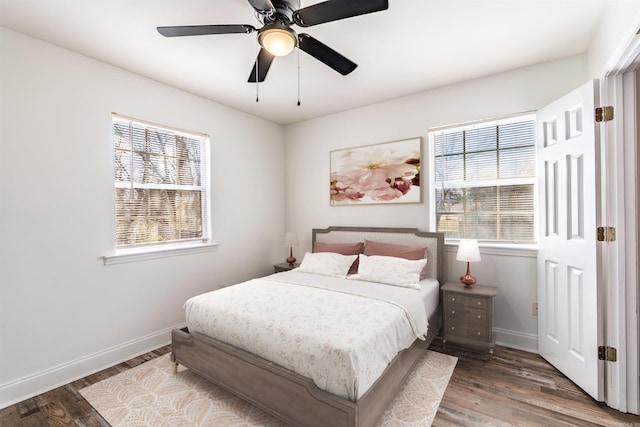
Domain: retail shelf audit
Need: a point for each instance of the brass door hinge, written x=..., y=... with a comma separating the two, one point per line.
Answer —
x=604, y=114
x=606, y=234
x=609, y=354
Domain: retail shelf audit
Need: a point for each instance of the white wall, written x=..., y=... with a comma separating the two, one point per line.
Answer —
x=62, y=312
x=618, y=25
x=307, y=159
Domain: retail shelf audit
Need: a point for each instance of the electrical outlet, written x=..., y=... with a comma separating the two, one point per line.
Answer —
x=534, y=308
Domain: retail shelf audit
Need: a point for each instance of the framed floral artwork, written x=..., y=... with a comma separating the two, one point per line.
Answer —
x=381, y=173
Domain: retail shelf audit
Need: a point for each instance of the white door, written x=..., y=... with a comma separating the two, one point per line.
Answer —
x=568, y=196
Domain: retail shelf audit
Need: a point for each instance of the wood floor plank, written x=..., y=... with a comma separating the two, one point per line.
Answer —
x=9, y=416
x=520, y=389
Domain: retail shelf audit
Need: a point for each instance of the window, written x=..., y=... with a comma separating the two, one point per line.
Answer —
x=161, y=184
x=484, y=180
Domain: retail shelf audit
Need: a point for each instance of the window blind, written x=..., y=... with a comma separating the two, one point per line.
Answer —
x=484, y=179
x=160, y=177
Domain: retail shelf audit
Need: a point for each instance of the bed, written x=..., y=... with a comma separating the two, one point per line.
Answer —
x=284, y=391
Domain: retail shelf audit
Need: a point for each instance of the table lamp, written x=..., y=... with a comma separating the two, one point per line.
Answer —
x=468, y=251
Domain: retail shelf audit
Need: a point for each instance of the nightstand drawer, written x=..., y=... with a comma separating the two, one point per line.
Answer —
x=469, y=301
x=464, y=314
x=472, y=332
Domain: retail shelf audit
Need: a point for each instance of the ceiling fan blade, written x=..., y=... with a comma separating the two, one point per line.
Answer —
x=261, y=67
x=202, y=30
x=264, y=6
x=325, y=54
x=333, y=10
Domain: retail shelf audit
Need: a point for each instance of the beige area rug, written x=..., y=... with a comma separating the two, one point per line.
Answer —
x=152, y=395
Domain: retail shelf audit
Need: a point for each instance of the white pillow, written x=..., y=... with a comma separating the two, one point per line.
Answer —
x=327, y=263
x=390, y=270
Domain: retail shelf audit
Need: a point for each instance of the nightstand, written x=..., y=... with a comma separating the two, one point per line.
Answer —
x=285, y=266
x=468, y=316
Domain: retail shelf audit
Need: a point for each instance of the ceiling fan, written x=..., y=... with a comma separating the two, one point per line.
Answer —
x=276, y=37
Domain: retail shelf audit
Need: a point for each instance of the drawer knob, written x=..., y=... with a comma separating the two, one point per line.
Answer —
x=479, y=302
x=479, y=333
x=453, y=312
x=479, y=316
x=453, y=328
x=453, y=298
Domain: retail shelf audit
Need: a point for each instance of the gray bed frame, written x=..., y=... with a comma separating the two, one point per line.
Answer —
x=292, y=397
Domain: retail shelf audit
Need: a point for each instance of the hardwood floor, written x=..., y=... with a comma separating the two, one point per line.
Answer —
x=64, y=406
x=516, y=388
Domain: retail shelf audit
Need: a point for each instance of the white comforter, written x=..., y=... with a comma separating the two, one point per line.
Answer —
x=341, y=333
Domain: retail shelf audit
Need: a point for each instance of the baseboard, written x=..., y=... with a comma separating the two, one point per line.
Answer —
x=517, y=340
x=27, y=387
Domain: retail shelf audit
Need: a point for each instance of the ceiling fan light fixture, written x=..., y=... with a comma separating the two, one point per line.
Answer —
x=278, y=41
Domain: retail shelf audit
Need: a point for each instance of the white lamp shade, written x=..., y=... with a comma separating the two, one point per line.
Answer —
x=290, y=239
x=468, y=251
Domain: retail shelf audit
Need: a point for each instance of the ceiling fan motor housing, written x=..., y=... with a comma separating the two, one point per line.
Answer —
x=284, y=10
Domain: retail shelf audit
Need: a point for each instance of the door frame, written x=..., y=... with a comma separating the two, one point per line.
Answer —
x=621, y=209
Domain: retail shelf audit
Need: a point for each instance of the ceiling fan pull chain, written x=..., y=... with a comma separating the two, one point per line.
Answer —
x=298, y=77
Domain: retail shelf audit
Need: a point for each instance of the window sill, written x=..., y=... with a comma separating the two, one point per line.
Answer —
x=143, y=254
x=527, y=250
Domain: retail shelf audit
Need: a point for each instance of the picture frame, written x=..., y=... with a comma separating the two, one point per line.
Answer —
x=383, y=173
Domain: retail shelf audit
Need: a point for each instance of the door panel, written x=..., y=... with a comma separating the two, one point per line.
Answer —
x=551, y=196
x=568, y=311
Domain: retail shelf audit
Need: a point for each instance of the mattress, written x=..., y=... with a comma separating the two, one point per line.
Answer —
x=341, y=333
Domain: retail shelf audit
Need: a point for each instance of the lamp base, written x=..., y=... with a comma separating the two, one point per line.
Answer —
x=291, y=259
x=468, y=280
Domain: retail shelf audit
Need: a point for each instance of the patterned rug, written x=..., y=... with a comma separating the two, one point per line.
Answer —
x=152, y=395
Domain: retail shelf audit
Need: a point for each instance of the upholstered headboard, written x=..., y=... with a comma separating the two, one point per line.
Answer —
x=399, y=236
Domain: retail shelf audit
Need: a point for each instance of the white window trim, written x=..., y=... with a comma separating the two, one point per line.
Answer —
x=147, y=252
x=502, y=248
x=122, y=256
x=497, y=247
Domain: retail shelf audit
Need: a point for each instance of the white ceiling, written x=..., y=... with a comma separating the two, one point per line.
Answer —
x=413, y=46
